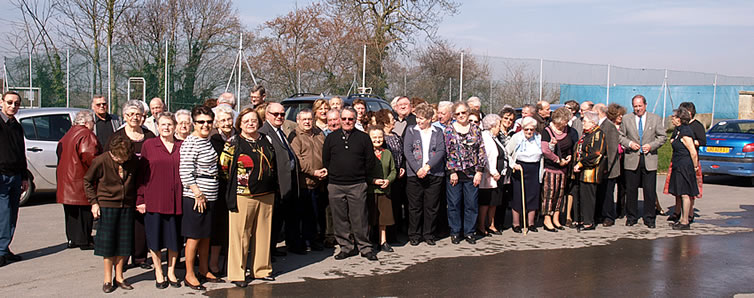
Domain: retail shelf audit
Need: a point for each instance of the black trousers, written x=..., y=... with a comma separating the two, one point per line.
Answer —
x=423, y=204
x=140, y=240
x=605, y=200
x=647, y=180
x=399, y=197
x=78, y=224
x=285, y=211
x=620, y=202
x=587, y=199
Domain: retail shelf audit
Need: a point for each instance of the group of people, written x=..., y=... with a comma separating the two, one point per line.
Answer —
x=211, y=181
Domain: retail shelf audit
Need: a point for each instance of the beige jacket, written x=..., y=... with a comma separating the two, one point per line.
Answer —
x=308, y=149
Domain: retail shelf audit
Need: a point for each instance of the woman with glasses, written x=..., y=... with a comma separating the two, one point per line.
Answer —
x=198, y=171
x=183, y=125
x=525, y=159
x=133, y=117
x=465, y=163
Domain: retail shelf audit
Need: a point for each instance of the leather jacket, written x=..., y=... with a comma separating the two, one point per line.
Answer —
x=76, y=150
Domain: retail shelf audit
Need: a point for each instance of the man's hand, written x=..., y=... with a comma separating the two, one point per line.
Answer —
x=453, y=179
x=646, y=148
x=634, y=145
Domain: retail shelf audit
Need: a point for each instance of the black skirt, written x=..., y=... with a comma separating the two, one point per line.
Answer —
x=196, y=225
x=531, y=187
x=163, y=231
x=683, y=180
x=491, y=196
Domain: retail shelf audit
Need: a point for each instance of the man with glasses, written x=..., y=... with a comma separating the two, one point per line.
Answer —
x=257, y=97
x=348, y=156
x=287, y=171
x=105, y=124
x=12, y=173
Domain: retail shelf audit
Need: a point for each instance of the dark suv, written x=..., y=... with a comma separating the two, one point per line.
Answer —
x=300, y=101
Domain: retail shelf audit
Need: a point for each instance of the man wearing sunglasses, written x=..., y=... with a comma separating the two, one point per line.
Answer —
x=105, y=124
x=12, y=173
x=348, y=156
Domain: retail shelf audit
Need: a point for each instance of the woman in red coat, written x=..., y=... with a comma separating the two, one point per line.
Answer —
x=76, y=150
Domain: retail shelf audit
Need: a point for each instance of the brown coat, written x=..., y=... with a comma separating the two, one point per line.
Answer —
x=103, y=185
x=76, y=151
x=308, y=149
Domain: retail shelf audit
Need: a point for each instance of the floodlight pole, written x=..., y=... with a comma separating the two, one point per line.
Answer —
x=541, y=79
x=167, y=101
x=664, y=94
x=31, y=91
x=460, y=81
x=714, y=98
x=364, y=70
x=67, y=78
x=607, y=98
x=240, y=57
x=109, y=89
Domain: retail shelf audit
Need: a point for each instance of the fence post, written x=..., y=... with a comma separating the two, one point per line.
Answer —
x=607, y=100
x=714, y=98
x=541, y=79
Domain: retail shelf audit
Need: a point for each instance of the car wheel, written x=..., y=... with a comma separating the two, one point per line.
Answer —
x=26, y=195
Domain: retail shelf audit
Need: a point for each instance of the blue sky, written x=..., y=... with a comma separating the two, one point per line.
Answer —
x=705, y=36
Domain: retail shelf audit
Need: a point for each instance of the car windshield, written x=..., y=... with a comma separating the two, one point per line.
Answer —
x=292, y=109
x=733, y=127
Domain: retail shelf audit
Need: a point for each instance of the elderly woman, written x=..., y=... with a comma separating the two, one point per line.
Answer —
x=615, y=114
x=507, y=118
x=591, y=164
x=465, y=163
x=525, y=159
x=700, y=139
x=248, y=163
x=383, y=174
x=424, y=148
x=220, y=134
x=110, y=187
x=133, y=116
x=320, y=108
x=159, y=195
x=490, y=190
x=184, y=125
x=198, y=171
x=75, y=151
x=558, y=141
x=685, y=163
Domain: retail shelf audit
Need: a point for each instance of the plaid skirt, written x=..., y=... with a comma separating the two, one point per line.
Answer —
x=115, y=233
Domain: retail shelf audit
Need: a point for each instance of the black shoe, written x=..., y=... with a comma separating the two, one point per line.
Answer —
x=267, y=278
x=71, y=245
x=455, y=239
x=89, y=246
x=430, y=241
x=240, y=284
x=589, y=228
x=11, y=257
x=344, y=255
x=560, y=228
x=470, y=239
x=386, y=247
x=414, y=242
x=674, y=217
x=145, y=266
x=494, y=232
x=554, y=230
x=108, y=287
x=161, y=285
x=198, y=287
x=370, y=256
x=317, y=246
x=216, y=280
x=517, y=229
x=682, y=227
x=297, y=250
x=630, y=223
x=3, y=261
x=174, y=284
x=482, y=234
x=533, y=229
x=608, y=223
x=277, y=253
x=650, y=225
x=123, y=285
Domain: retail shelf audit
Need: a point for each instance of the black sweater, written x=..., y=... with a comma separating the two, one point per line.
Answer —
x=348, y=160
x=13, y=157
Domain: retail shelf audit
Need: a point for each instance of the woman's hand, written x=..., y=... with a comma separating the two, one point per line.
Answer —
x=517, y=167
x=453, y=179
x=95, y=211
x=576, y=168
x=200, y=203
x=142, y=208
x=385, y=183
x=496, y=177
x=477, y=179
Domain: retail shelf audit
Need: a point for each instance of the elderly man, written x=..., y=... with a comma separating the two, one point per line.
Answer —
x=543, y=109
x=227, y=99
x=307, y=145
x=336, y=103
x=155, y=107
x=13, y=177
x=444, y=114
x=528, y=110
x=287, y=171
x=586, y=106
x=348, y=156
x=403, y=116
x=605, y=208
x=105, y=124
x=641, y=134
x=333, y=121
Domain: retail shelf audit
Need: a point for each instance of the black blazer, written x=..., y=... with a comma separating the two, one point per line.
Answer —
x=287, y=179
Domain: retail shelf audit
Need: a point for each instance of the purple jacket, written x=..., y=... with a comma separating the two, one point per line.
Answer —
x=160, y=185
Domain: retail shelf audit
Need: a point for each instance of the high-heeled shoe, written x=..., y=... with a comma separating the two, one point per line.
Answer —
x=175, y=284
x=198, y=287
x=559, y=227
x=123, y=285
x=554, y=230
x=494, y=232
x=532, y=228
x=517, y=229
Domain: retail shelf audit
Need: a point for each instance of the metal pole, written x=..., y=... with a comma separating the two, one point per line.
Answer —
x=109, y=90
x=31, y=91
x=404, y=84
x=67, y=79
x=91, y=81
x=240, y=56
x=167, y=102
x=460, y=81
x=298, y=82
x=664, y=94
x=450, y=89
x=714, y=98
x=541, y=79
x=607, y=99
x=364, y=70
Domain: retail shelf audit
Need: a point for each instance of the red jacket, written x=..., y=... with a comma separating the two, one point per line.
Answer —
x=76, y=150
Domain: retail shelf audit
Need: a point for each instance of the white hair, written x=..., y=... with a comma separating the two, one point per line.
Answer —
x=83, y=116
x=528, y=121
x=395, y=101
x=135, y=104
x=490, y=121
x=444, y=104
x=183, y=112
x=227, y=98
x=474, y=100
x=592, y=116
x=223, y=109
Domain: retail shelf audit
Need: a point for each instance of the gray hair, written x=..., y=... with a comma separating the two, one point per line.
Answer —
x=600, y=108
x=490, y=121
x=135, y=104
x=444, y=104
x=304, y=111
x=349, y=109
x=475, y=100
x=529, y=121
x=183, y=112
x=224, y=110
x=333, y=111
x=83, y=116
x=592, y=116
x=227, y=98
x=168, y=115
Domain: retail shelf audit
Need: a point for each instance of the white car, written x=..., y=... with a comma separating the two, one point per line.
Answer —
x=43, y=128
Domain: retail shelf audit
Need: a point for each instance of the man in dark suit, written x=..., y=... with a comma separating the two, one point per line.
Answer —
x=605, y=204
x=287, y=170
x=641, y=134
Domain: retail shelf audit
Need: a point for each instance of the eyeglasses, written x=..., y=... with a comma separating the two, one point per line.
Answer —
x=202, y=122
x=102, y=104
x=528, y=129
x=474, y=121
x=461, y=113
x=277, y=114
x=347, y=118
x=13, y=103
x=129, y=115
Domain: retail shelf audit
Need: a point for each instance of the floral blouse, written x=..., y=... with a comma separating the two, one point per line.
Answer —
x=255, y=172
x=395, y=144
x=465, y=152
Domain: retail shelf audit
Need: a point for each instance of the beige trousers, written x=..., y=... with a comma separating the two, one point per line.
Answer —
x=253, y=220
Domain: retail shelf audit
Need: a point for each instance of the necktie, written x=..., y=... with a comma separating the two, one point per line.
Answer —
x=285, y=145
x=641, y=131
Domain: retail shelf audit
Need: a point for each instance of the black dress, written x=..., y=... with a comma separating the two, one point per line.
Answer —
x=683, y=176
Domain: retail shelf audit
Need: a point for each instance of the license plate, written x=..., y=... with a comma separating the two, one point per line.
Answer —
x=718, y=149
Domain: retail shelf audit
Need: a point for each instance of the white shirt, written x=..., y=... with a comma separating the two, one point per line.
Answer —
x=426, y=136
x=602, y=120
x=529, y=150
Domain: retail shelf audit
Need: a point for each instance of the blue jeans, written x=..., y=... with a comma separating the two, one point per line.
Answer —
x=466, y=191
x=10, y=194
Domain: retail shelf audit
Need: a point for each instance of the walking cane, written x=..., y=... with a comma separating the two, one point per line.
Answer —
x=523, y=203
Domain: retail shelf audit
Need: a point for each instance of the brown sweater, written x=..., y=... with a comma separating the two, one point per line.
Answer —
x=103, y=184
x=308, y=149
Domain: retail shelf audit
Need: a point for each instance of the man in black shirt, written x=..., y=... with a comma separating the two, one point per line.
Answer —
x=348, y=156
x=105, y=124
x=12, y=173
